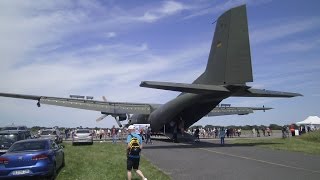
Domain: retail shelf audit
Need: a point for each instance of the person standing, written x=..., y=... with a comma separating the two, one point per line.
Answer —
x=148, y=135
x=114, y=134
x=222, y=136
x=196, y=135
x=134, y=146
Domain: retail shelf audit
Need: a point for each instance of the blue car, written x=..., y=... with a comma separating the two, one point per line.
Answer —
x=33, y=157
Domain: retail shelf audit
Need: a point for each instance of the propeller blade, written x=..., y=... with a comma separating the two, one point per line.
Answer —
x=117, y=120
x=102, y=117
x=104, y=98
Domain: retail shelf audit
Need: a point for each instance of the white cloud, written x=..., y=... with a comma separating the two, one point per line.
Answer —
x=168, y=8
x=57, y=49
x=282, y=29
x=212, y=7
x=111, y=35
x=295, y=46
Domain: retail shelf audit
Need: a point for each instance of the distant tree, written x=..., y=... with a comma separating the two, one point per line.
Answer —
x=195, y=127
x=275, y=127
x=35, y=128
x=209, y=127
x=246, y=127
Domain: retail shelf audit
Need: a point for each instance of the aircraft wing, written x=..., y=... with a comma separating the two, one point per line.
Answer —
x=101, y=106
x=221, y=111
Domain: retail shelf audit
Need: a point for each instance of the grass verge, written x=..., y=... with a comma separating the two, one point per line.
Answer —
x=307, y=143
x=102, y=161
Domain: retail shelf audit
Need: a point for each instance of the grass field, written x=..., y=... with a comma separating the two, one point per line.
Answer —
x=102, y=161
x=307, y=143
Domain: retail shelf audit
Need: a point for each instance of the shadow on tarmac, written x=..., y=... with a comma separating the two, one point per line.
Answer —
x=202, y=144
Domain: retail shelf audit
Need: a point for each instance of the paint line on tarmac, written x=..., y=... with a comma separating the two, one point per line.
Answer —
x=261, y=161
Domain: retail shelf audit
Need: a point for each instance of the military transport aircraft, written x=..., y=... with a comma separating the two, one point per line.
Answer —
x=227, y=72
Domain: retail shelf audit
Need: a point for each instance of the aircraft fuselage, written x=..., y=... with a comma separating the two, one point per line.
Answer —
x=187, y=107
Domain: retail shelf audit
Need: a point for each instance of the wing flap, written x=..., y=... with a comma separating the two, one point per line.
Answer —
x=221, y=111
x=182, y=87
x=106, y=107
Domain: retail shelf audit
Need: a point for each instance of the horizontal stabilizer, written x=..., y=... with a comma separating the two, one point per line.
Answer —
x=182, y=87
x=265, y=93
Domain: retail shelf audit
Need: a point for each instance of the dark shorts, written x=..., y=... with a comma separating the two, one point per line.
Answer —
x=132, y=163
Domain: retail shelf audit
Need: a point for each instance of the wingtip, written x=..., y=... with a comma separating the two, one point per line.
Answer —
x=143, y=83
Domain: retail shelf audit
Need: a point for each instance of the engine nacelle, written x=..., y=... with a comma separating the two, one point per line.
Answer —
x=139, y=119
x=120, y=117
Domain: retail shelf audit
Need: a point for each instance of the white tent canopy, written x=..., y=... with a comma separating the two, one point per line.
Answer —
x=311, y=120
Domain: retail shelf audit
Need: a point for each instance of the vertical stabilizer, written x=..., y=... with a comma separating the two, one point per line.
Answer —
x=229, y=59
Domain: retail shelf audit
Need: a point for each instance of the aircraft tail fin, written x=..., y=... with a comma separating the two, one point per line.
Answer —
x=229, y=59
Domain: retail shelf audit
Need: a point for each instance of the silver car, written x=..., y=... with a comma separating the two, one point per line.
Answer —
x=82, y=136
x=53, y=134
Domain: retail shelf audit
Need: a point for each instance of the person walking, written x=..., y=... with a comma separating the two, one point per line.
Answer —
x=134, y=147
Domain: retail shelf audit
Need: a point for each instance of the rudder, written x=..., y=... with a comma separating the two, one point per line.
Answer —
x=229, y=60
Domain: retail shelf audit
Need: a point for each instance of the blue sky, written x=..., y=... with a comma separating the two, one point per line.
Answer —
x=106, y=48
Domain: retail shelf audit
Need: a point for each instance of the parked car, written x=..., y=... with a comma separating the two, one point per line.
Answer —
x=33, y=157
x=82, y=136
x=8, y=137
x=53, y=134
x=15, y=128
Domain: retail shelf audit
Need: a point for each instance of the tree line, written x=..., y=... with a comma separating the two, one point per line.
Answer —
x=245, y=127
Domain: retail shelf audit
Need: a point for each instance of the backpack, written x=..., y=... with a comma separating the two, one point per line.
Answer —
x=134, y=146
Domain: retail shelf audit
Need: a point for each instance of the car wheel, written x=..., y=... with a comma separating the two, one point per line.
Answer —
x=53, y=173
x=63, y=162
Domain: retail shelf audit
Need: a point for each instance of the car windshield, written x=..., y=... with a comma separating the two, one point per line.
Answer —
x=28, y=146
x=8, y=138
x=10, y=128
x=48, y=133
x=83, y=131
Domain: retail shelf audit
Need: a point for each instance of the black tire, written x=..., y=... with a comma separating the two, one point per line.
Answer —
x=53, y=173
x=63, y=162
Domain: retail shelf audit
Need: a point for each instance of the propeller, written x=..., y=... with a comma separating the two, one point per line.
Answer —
x=104, y=115
x=117, y=120
x=101, y=117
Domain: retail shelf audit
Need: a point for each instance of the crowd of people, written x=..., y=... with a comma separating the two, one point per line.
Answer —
x=214, y=132
x=113, y=133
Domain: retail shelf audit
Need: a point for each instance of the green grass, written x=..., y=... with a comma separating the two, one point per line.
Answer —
x=102, y=161
x=314, y=136
x=307, y=143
